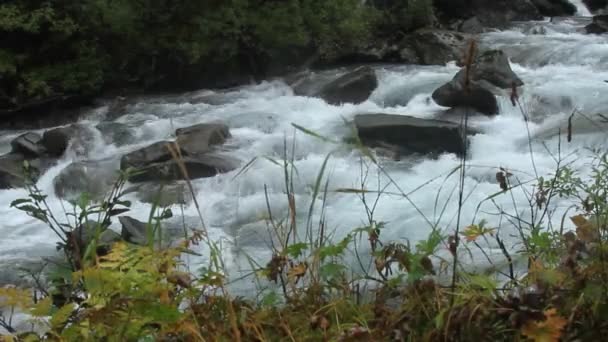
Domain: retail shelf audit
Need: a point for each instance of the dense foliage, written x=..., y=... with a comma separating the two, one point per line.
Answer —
x=58, y=47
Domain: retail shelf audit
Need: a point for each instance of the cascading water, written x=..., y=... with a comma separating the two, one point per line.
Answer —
x=563, y=70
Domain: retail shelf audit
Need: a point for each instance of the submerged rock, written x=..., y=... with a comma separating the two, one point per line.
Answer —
x=95, y=177
x=409, y=134
x=599, y=25
x=164, y=195
x=354, y=87
x=491, y=69
x=199, y=139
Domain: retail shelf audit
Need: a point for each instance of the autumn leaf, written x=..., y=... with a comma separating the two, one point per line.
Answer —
x=549, y=330
x=296, y=272
x=584, y=228
x=472, y=232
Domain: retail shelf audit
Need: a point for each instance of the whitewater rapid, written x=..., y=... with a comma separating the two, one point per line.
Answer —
x=563, y=70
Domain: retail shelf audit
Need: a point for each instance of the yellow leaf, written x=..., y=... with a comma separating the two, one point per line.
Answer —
x=472, y=232
x=7, y=338
x=297, y=272
x=14, y=297
x=42, y=308
x=164, y=297
x=549, y=330
x=585, y=230
x=62, y=315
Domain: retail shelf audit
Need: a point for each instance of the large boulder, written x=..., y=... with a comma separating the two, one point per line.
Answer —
x=599, y=25
x=199, y=139
x=410, y=134
x=155, y=153
x=490, y=70
x=28, y=145
x=555, y=8
x=207, y=165
x=596, y=5
x=354, y=87
x=57, y=140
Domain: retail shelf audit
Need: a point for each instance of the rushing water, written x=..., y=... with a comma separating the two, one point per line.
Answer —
x=563, y=70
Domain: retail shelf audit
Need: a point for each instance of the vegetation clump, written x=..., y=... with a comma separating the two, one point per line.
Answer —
x=553, y=288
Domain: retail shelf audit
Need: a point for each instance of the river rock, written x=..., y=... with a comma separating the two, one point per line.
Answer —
x=599, y=25
x=354, y=87
x=95, y=177
x=491, y=69
x=133, y=231
x=198, y=139
x=555, y=8
x=56, y=140
x=85, y=233
x=28, y=144
x=164, y=195
x=207, y=165
x=410, y=134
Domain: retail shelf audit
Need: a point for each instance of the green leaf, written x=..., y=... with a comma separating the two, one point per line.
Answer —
x=334, y=250
x=295, y=250
x=62, y=315
x=270, y=299
x=313, y=134
x=20, y=201
x=42, y=308
x=332, y=270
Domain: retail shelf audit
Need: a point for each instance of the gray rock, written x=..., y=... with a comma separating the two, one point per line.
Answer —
x=354, y=87
x=133, y=231
x=491, y=69
x=56, y=140
x=28, y=145
x=93, y=177
x=599, y=25
x=199, y=139
x=164, y=195
x=155, y=153
x=207, y=165
x=409, y=134
x=84, y=234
